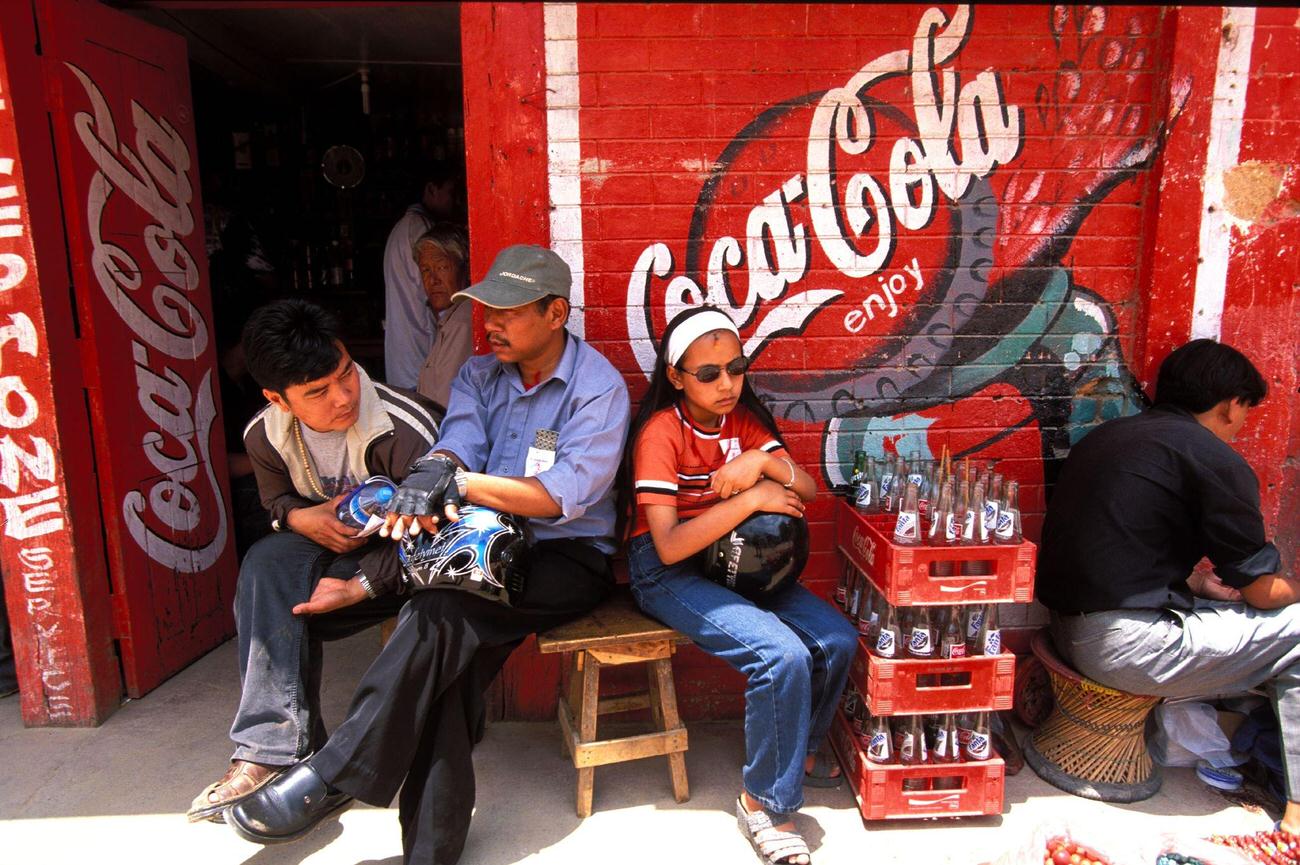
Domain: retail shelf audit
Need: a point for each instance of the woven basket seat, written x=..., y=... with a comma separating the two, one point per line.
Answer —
x=1093, y=744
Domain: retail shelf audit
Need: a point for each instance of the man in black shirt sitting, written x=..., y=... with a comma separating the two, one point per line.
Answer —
x=1140, y=501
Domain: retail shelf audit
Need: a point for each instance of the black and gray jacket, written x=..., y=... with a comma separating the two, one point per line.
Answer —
x=396, y=427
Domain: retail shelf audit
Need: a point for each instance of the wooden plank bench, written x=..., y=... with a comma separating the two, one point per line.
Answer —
x=614, y=634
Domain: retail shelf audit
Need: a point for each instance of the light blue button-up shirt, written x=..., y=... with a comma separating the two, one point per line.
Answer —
x=492, y=420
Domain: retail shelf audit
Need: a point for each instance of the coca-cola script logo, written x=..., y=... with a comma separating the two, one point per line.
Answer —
x=915, y=226
x=154, y=176
x=953, y=139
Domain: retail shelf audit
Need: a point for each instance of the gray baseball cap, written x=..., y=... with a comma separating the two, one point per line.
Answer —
x=521, y=274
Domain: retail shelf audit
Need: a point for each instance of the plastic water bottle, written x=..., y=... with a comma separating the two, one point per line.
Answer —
x=370, y=499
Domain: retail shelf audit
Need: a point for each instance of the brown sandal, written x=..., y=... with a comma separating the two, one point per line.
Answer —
x=241, y=780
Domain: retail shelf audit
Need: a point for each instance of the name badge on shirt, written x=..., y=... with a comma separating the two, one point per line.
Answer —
x=541, y=454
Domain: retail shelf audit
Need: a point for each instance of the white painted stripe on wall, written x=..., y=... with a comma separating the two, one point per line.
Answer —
x=1231, y=77
x=563, y=159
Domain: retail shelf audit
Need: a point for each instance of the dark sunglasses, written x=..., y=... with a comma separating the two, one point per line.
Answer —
x=710, y=371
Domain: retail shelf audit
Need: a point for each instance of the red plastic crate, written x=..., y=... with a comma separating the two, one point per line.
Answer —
x=879, y=789
x=890, y=684
x=903, y=573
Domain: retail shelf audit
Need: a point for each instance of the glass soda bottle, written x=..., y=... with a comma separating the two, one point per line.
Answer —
x=952, y=644
x=1008, y=530
x=880, y=749
x=979, y=747
x=970, y=520
x=867, y=610
x=887, y=639
x=907, y=528
x=974, y=622
x=946, y=750
x=990, y=635
x=920, y=640
x=886, y=486
x=911, y=752
x=842, y=587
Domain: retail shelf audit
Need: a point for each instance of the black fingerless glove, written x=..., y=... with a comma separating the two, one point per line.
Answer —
x=425, y=489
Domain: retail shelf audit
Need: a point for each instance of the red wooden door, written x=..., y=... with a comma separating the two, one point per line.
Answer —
x=118, y=94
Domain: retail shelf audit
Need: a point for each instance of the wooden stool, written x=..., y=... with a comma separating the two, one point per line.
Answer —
x=613, y=634
x=1093, y=744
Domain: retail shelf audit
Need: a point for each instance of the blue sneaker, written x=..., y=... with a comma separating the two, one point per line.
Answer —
x=1226, y=778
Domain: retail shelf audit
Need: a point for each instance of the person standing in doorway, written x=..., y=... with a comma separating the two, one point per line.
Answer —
x=442, y=254
x=409, y=323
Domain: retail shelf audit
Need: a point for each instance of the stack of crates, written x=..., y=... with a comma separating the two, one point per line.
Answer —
x=901, y=686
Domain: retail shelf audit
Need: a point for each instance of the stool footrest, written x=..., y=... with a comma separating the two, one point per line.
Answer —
x=600, y=753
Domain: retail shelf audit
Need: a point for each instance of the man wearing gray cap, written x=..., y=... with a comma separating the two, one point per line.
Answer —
x=536, y=429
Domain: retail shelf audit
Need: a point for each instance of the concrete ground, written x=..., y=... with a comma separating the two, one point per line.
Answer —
x=117, y=794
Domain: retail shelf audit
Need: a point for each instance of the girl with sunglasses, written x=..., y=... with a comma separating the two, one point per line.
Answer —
x=705, y=454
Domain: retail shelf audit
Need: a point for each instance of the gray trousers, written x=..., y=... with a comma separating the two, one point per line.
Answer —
x=279, y=719
x=1216, y=649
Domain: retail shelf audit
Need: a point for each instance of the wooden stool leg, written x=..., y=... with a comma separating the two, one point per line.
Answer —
x=572, y=698
x=663, y=704
x=589, y=702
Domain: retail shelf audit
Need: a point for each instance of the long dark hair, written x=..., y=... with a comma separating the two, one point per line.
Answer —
x=660, y=395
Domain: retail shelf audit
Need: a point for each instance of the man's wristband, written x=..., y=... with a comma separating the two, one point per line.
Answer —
x=366, y=587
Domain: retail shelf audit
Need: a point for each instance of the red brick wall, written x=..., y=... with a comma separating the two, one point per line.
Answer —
x=1057, y=161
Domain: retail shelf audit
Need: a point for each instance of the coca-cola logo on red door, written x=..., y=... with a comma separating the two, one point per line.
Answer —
x=152, y=177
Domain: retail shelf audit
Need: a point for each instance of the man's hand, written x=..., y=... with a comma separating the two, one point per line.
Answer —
x=1206, y=584
x=740, y=474
x=331, y=594
x=319, y=523
x=420, y=500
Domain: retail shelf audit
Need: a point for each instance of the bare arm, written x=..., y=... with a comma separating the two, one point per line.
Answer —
x=752, y=466
x=675, y=541
x=1271, y=591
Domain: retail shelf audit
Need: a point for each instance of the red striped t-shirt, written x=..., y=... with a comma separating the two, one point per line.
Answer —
x=675, y=459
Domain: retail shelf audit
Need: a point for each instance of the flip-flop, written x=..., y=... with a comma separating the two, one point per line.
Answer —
x=820, y=775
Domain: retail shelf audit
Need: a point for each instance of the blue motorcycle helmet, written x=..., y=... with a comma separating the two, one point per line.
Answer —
x=483, y=552
x=759, y=556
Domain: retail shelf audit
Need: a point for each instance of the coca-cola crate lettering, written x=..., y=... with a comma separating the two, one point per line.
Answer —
x=879, y=788
x=907, y=686
x=910, y=575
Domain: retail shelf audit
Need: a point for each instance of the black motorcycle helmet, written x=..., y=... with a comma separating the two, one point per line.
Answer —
x=758, y=556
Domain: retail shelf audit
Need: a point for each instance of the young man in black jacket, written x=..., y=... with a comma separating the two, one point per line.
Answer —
x=1140, y=501
x=327, y=428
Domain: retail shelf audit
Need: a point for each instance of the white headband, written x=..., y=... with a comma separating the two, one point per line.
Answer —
x=695, y=327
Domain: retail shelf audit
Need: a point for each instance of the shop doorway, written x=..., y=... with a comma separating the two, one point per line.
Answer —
x=317, y=126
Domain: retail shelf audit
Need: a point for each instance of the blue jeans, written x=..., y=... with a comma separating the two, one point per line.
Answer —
x=795, y=652
x=279, y=719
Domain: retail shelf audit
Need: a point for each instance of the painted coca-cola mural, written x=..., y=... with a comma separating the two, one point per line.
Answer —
x=911, y=249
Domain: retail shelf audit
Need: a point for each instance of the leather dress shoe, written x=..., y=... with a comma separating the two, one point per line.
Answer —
x=287, y=808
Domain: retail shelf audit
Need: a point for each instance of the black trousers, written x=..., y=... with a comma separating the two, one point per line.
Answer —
x=412, y=719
